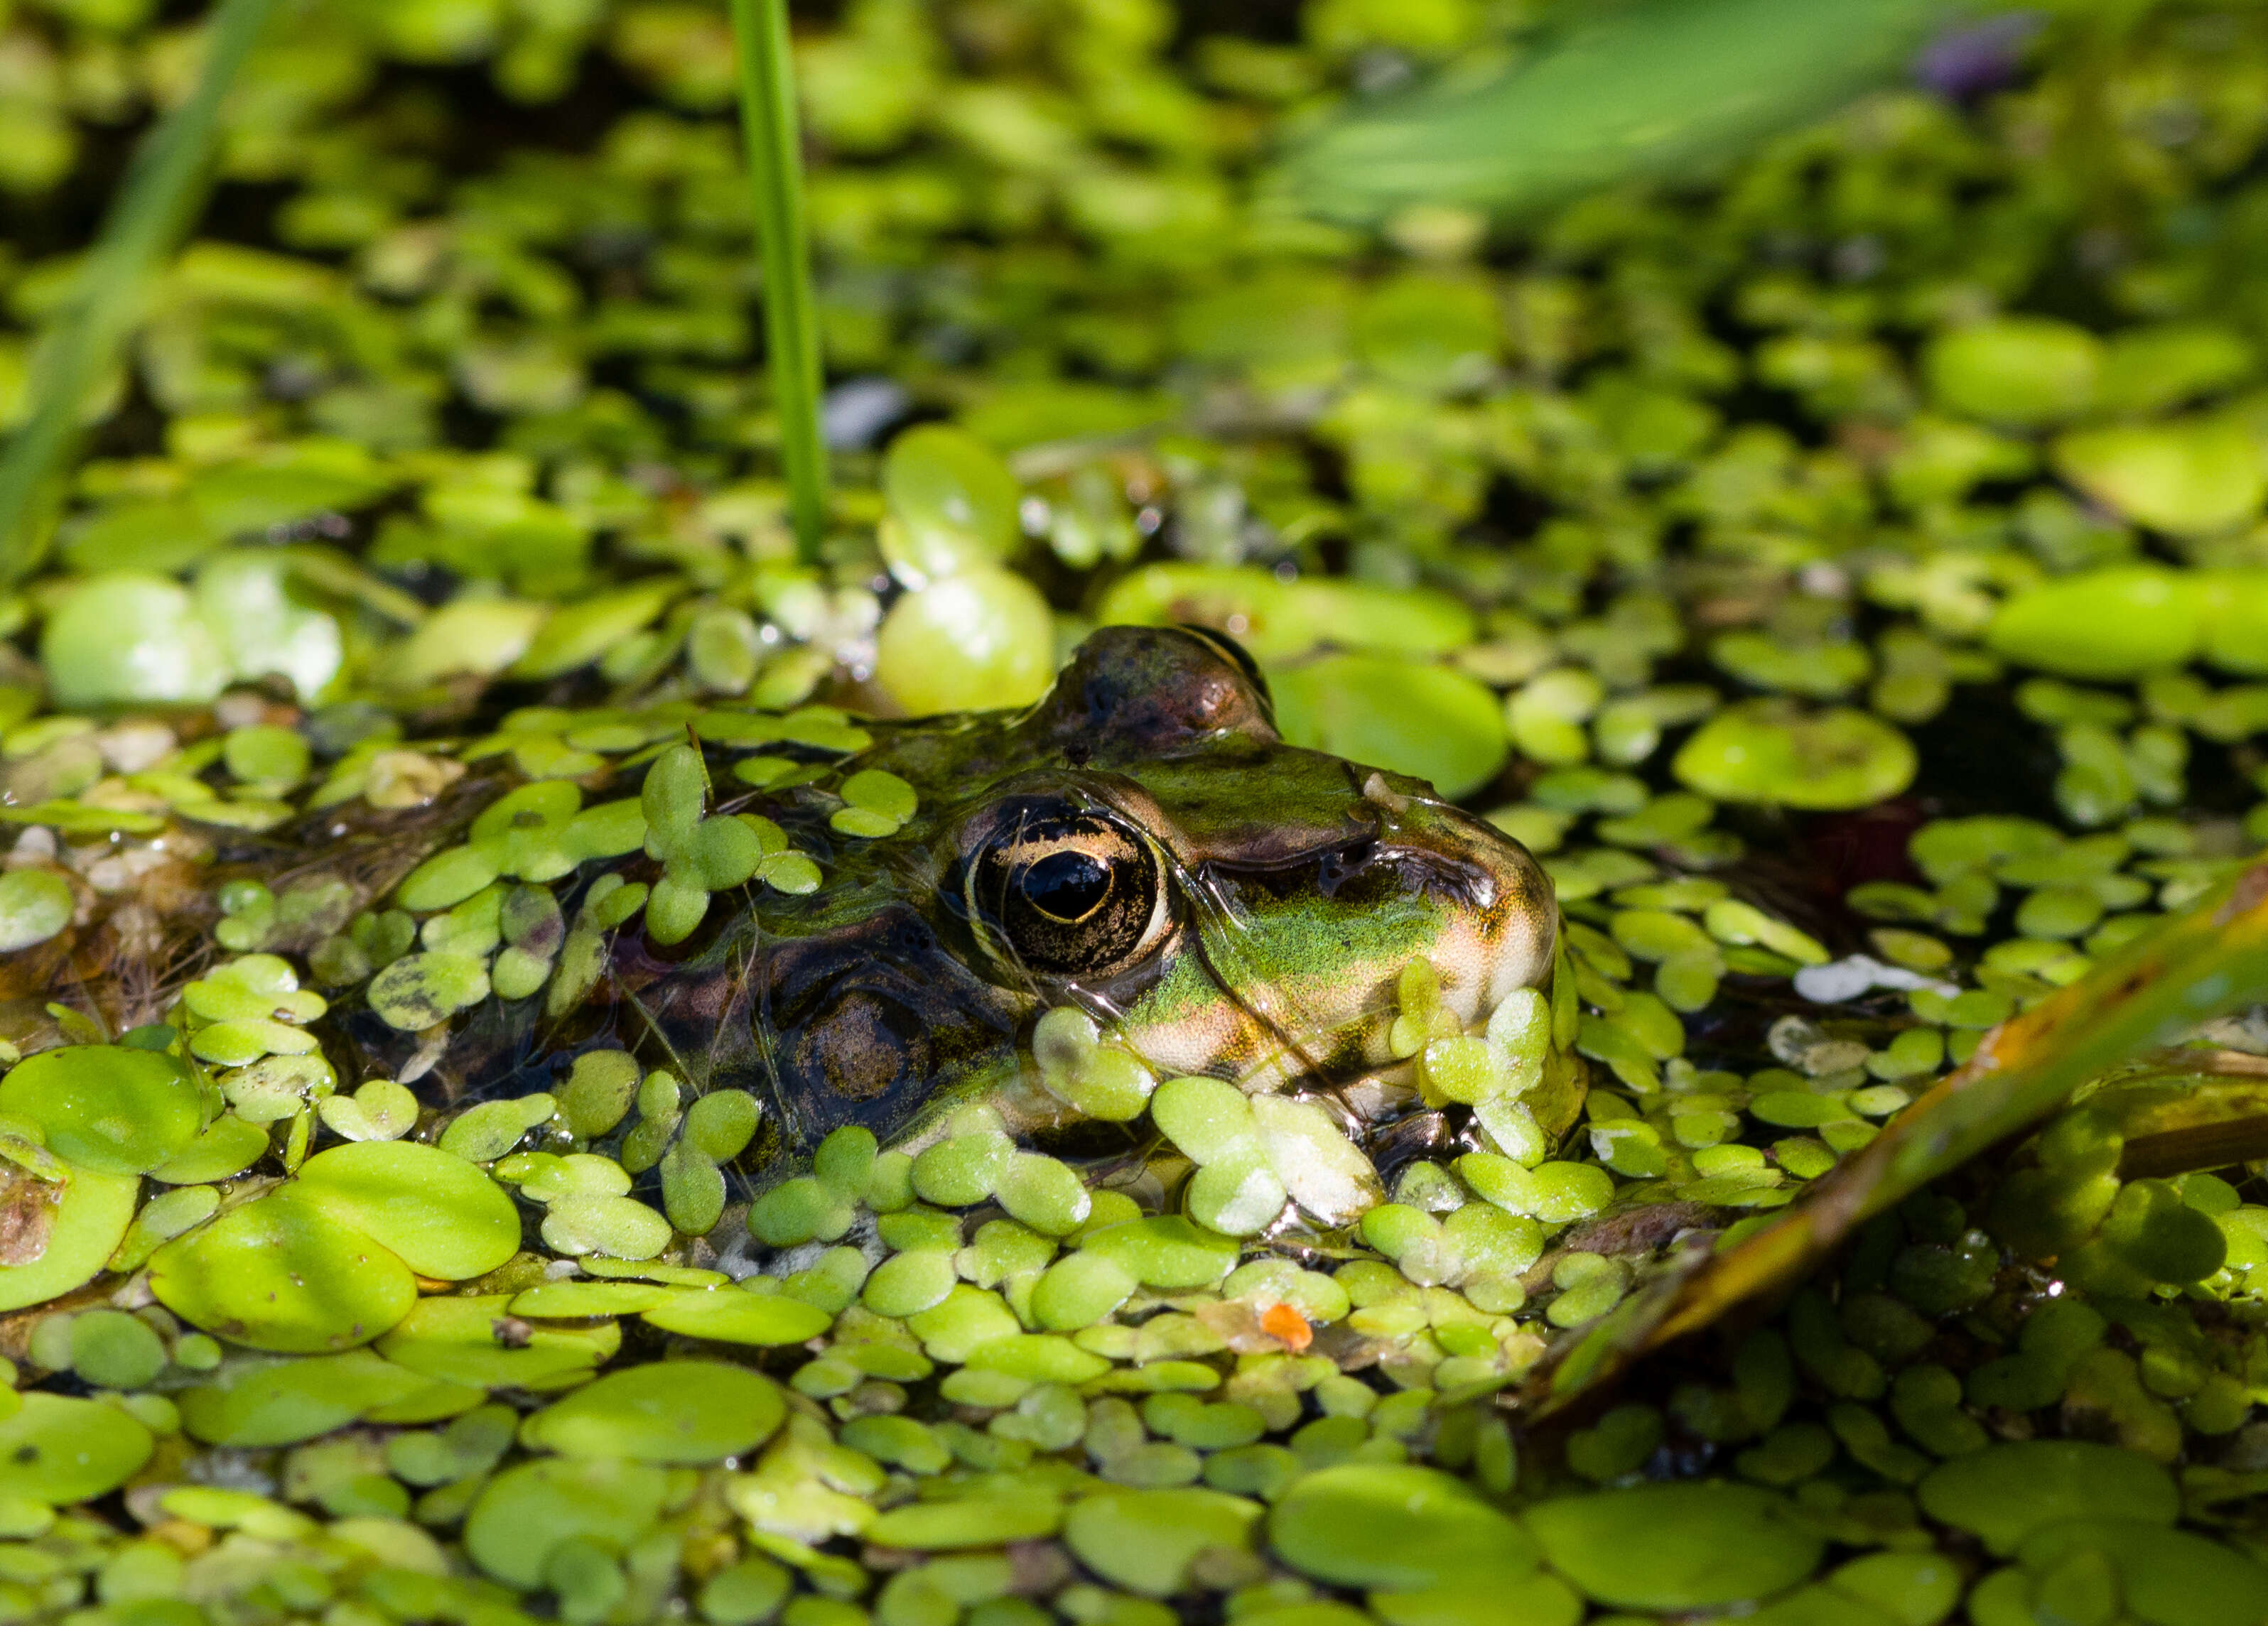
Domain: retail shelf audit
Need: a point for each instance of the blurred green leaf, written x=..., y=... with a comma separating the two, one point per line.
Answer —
x=151, y=209
x=1648, y=89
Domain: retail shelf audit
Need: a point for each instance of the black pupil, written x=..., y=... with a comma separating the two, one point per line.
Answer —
x=1066, y=886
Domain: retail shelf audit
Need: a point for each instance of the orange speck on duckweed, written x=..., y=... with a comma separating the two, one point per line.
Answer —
x=1281, y=1321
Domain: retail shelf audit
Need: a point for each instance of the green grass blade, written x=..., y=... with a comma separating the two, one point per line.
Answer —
x=152, y=208
x=767, y=124
x=1647, y=89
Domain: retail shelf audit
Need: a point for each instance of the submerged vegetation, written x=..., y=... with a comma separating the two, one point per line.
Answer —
x=1845, y=570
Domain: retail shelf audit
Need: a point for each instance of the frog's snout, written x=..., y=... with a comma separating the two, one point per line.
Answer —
x=1309, y=958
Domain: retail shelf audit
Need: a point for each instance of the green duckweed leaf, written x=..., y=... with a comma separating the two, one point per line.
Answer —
x=795, y=873
x=1774, y=751
x=449, y=877
x=571, y=1299
x=880, y=803
x=483, y=1133
x=2187, y=478
x=527, y=829
x=2119, y=621
x=952, y=502
x=578, y=634
x=253, y=988
x=418, y=990
x=1408, y=717
x=1165, y=1251
x=676, y=792
x=692, y=1189
x=722, y=853
x=380, y=1110
x=472, y=1340
x=619, y=1226
x=1392, y=1526
x=600, y=1089
x=2023, y=371
x=1538, y=1599
x=228, y=1146
x=525, y=1512
x=978, y=641
x=2166, y=1577
x=665, y=1411
x=730, y=1315
x=112, y=1349
x=60, y=1451
x=281, y=1273
x=722, y=1123
x=2005, y=1492
x=1671, y=1547
x=126, y=638
x=239, y=1044
x=607, y=831
x=163, y=1218
x=970, y=1521
x=441, y=1214
x=745, y=1593
x=266, y=753
x=1146, y=1540
x=253, y=1402
x=35, y=905
x=275, y=1088
x=107, y=1107
x=263, y=624
x=75, y=1237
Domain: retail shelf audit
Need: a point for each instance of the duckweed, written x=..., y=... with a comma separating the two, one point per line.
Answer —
x=440, y=1216
x=68, y=1226
x=1146, y=1541
x=106, y=1108
x=280, y=1274
x=35, y=905
x=1771, y=751
x=1694, y=1545
x=62, y=1451
x=1867, y=650
x=2004, y=1493
x=1395, y=1528
x=671, y=1411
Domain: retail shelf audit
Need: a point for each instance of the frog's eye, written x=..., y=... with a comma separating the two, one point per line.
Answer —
x=1069, y=893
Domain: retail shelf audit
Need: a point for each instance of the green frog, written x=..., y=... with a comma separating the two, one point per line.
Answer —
x=1138, y=869
x=1141, y=848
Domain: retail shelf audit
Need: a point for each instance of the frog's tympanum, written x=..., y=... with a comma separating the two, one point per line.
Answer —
x=1141, y=844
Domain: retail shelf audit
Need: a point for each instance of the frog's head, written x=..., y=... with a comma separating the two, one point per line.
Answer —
x=1144, y=845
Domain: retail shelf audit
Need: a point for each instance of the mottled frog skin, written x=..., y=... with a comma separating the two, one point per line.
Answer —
x=1142, y=845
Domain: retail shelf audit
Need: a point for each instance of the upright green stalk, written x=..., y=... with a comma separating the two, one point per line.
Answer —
x=768, y=124
x=152, y=208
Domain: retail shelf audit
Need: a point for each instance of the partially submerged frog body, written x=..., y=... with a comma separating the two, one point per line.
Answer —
x=1141, y=849
x=1137, y=880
